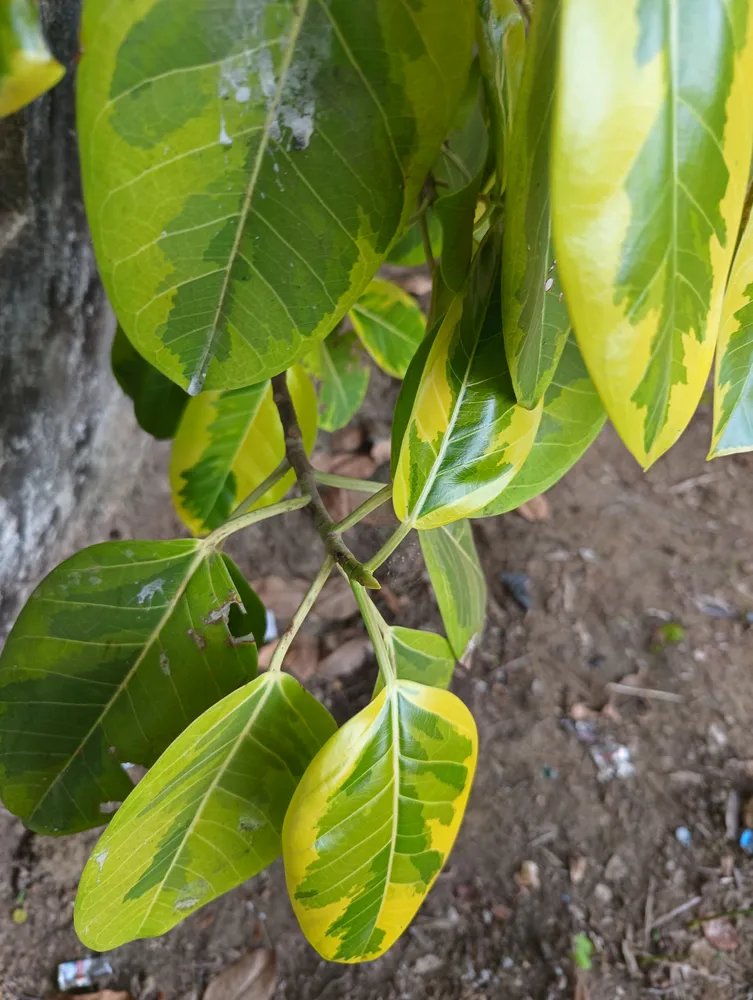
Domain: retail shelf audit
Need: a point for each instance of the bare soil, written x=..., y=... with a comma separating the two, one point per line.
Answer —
x=621, y=554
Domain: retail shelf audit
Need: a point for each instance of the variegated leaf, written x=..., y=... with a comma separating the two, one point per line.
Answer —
x=534, y=318
x=342, y=370
x=572, y=418
x=247, y=164
x=374, y=818
x=651, y=150
x=206, y=817
x=421, y=656
x=27, y=67
x=390, y=325
x=466, y=436
x=228, y=443
x=116, y=652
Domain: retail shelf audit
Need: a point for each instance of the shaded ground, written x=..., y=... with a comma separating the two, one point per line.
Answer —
x=621, y=553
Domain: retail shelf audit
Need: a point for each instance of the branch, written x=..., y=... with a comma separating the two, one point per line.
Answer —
x=296, y=455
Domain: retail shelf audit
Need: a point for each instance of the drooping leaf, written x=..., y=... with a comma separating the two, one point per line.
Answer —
x=343, y=372
x=733, y=383
x=374, y=818
x=409, y=249
x=247, y=165
x=247, y=620
x=501, y=38
x=458, y=582
x=117, y=651
x=459, y=174
x=158, y=403
x=206, y=817
x=534, y=317
x=420, y=656
x=228, y=443
x=390, y=325
x=466, y=436
x=27, y=67
x=572, y=418
x=651, y=149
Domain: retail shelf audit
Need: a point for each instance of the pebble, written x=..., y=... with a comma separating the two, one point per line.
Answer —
x=603, y=893
x=426, y=965
x=683, y=836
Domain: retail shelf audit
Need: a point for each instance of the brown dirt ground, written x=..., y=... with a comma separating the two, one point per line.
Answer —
x=620, y=551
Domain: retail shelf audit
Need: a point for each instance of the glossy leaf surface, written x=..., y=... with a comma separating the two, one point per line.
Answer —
x=158, y=403
x=116, y=652
x=651, y=150
x=374, y=818
x=534, y=317
x=247, y=165
x=27, y=67
x=228, y=443
x=572, y=418
x=342, y=370
x=407, y=396
x=206, y=817
x=420, y=656
x=466, y=436
x=390, y=325
x=733, y=384
x=458, y=582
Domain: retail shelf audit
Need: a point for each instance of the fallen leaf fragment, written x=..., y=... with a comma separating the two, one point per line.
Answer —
x=721, y=934
x=346, y=659
x=528, y=876
x=253, y=977
x=535, y=509
x=102, y=995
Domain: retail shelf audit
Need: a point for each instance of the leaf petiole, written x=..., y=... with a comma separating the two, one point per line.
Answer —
x=286, y=639
x=346, y=483
x=379, y=633
x=402, y=530
x=272, y=480
x=252, y=517
x=365, y=509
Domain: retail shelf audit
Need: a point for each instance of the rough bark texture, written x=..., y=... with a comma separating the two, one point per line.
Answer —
x=67, y=441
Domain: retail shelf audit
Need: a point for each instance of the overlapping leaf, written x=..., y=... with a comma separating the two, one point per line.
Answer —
x=409, y=249
x=466, y=436
x=27, y=67
x=417, y=655
x=572, y=418
x=390, y=325
x=117, y=651
x=341, y=367
x=501, y=47
x=458, y=582
x=228, y=443
x=374, y=818
x=206, y=817
x=534, y=318
x=651, y=149
x=158, y=403
x=733, y=384
x=247, y=165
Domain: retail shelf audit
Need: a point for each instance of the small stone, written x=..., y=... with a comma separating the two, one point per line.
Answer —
x=528, y=876
x=427, y=965
x=577, y=869
x=683, y=836
x=603, y=894
x=501, y=912
x=616, y=869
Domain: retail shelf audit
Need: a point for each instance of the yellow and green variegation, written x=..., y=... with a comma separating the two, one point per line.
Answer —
x=390, y=325
x=733, y=384
x=247, y=165
x=458, y=582
x=466, y=436
x=534, y=318
x=421, y=656
x=650, y=154
x=374, y=818
x=228, y=443
x=341, y=368
x=572, y=418
x=27, y=67
x=206, y=817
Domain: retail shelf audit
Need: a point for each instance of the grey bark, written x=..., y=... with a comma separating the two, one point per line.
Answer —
x=67, y=441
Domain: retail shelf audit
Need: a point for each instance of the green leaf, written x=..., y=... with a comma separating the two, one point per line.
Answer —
x=342, y=369
x=582, y=951
x=458, y=581
x=390, y=325
x=116, y=652
x=534, y=316
x=424, y=657
x=206, y=817
x=651, y=145
x=247, y=166
x=158, y=403
x=501, y=40
x=466, y=436
x=247, y=620
x=409, y=249
x=407, y=395
x=27, y=67
x=374, y=818
x=571, y=421
x=733, y=383
x=228, y=443
x=459, y=174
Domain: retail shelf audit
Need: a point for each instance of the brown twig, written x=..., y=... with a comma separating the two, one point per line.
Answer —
x=299, y=461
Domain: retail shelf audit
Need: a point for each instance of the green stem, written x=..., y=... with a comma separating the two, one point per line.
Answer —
x=423, y=226
x=286, y=639
x=364, y=509
x=389, y=546
x=272, y=480
x=253, y=516
x=346, y=483
x=379, y=633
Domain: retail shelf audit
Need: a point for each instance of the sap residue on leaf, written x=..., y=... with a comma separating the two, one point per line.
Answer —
x=164, y=662
x=148, y=591
x=247, y=824
x=100, y=857
x=108, y=808
x=224, y=139
x=191, y=894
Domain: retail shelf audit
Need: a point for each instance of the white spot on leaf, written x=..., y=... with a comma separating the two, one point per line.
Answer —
x=148, y=591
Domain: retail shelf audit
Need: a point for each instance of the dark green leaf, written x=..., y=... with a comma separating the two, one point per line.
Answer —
x=251, y=619
x=158, y=403
x=342, y=369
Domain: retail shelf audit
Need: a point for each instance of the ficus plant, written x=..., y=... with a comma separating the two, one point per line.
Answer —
x=573, y=174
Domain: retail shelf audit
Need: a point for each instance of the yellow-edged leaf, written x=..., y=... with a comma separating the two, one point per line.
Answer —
x=390, y=325
x=27, y=67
